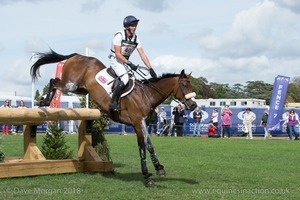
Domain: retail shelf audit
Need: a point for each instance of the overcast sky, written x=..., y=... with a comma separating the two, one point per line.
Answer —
x=225, y=41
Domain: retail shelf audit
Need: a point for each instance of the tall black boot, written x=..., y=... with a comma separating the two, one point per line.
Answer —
x=115, y=97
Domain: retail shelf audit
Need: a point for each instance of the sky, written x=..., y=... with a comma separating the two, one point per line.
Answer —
x=224, y=41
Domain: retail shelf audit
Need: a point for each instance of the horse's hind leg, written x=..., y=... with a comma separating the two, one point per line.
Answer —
x=51, y=92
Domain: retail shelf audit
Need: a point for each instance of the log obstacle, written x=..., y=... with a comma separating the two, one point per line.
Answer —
x=34, y=162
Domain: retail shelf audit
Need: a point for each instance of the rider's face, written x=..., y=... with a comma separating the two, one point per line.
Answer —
x=132, y=28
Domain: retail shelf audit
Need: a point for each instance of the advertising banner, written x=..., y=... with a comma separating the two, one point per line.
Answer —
x=279, y=92
x=55, y=103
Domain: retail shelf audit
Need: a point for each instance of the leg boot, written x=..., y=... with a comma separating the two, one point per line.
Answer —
x=115, y=97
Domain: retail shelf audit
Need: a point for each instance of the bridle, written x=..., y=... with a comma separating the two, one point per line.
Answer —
x=182, y=87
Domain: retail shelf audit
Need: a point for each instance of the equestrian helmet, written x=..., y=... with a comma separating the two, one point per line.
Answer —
x=129, y=20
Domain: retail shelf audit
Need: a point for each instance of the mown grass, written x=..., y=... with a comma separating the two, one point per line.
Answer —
x=197, y=168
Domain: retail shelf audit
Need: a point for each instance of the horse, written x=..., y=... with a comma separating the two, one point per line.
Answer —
x=78, y=77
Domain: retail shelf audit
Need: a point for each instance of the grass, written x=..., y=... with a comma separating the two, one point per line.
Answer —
x=197, y=168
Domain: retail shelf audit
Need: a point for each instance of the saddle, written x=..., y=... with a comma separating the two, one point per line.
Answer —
x=108, y=79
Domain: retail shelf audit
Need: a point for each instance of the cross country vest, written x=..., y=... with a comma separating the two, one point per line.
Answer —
x=127, y=45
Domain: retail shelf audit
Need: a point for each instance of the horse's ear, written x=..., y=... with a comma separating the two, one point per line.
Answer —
x=182, y=73
x=188, y=75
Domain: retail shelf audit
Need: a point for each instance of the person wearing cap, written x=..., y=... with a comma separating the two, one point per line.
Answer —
x=263, y=123
x=249, y=117
x=123, y=45
x=162, y=115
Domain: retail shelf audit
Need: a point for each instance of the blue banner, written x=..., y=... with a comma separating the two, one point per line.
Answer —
x=280, y=88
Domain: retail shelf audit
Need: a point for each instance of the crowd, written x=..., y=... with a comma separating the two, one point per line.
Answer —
x=177, y=124
x=5, y=127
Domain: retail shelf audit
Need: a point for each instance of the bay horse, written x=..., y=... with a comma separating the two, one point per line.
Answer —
x=78, y=76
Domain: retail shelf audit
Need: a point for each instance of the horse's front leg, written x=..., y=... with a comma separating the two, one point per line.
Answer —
x=147, y=176
x=158, y=167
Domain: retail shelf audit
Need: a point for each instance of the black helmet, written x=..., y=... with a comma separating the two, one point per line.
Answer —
x=129, y=20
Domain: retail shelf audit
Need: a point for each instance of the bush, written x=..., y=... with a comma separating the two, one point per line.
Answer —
x=2, y=154
x=54, y=144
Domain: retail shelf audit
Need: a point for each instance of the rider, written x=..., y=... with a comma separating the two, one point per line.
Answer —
x=123, y=44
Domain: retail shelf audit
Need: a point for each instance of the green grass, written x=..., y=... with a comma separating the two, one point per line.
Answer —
x=197, y=168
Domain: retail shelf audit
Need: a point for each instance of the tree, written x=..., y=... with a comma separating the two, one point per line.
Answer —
x=54, y=145
x=238, y=91
x=37, y=94
x=293, y=94
x=46, y=89
x=221, y=91
x=206, y=91
x=258, y=90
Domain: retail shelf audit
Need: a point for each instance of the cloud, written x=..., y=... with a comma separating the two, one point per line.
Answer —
x=153, y=5
x=264, y=29
x=293, y=5
x=92, y=6
x=9, y=2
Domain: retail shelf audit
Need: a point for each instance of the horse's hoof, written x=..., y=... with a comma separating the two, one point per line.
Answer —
x=40, y=101
x=149, y=182
x=161, y=172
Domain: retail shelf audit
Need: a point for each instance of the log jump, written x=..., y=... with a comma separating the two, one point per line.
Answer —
x=34, y=162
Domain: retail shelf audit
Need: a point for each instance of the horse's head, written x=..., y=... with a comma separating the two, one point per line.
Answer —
x=184, y=92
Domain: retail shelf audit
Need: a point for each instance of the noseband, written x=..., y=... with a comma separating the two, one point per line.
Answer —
x=182, y=88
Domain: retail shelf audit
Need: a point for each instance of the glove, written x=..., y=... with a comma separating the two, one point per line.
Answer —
x=132, y=66
x=152, y=73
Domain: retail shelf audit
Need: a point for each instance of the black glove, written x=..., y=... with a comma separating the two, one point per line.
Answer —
x=152, y=73
x=132, y=66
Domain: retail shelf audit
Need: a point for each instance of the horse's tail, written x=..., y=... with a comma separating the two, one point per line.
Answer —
x=46, y=58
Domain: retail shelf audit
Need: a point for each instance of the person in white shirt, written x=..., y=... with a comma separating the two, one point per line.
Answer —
x=123, y=44
x=249, y=117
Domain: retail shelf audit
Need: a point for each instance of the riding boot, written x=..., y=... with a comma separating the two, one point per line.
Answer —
x=115, y=97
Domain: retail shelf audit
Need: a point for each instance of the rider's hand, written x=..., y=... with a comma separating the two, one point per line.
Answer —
x=132, y=66
x=152, y=73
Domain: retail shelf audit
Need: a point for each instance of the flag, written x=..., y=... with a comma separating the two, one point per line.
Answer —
x=280, y=88
x=55, y=103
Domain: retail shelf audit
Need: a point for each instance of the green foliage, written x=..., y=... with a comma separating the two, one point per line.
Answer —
x=37, y=94
x=54, y=145
x=46, y=89
x=2, y=154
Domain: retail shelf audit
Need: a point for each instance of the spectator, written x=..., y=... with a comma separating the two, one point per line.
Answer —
x=263, y=123
x=285, y=120
x=22, y=105
x=178, y=120
x=293, y=120
x=249, y=117
x=197, y=116
x=212, y=131
x=226, y=121
x=4, y=126
x=215, y=118
x=185, y=116
x=153, y=122
x=162, y=116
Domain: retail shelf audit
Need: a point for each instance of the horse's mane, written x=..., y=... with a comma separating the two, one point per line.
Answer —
x=163, y=76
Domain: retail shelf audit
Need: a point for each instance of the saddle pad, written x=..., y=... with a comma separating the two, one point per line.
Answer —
x=107, y=81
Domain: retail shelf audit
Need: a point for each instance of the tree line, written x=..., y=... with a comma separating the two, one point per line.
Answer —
x=252, y=89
